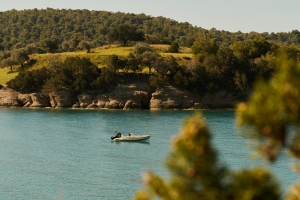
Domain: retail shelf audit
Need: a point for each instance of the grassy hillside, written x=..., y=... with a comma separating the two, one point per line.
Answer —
x=98, y=56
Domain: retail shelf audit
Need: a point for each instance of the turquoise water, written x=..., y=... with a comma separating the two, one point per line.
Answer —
x=68, y=154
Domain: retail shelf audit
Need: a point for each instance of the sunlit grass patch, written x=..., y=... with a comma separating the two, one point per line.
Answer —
x=98, y=56
x=5, y=75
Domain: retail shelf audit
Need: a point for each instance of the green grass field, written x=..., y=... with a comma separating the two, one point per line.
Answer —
x=98, y=56
x=5, y=76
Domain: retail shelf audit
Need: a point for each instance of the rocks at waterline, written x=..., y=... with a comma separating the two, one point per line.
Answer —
x=130, y=96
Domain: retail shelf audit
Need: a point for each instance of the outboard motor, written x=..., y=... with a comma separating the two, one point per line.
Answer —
x=117, y=136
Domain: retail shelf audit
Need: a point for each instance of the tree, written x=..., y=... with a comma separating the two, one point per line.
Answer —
x=65, y=46
x=258, y=47
x=31, y=48
x=5, y=59
x=8, y=62
x=251, y=48
x=114, y=63
x=16, y=57
x=197, y=174
x=20, y=56
x=272, y=110
x=84, y=44
x=132, y=64
x=75, y=40
x=174, y=48
x=125, y=34
x=204, y=46
x=164, y=66
x=75, y=74
x=19, y=45
x=105, y=81
x=50, y=44
x=145, y=54
x=157, y=81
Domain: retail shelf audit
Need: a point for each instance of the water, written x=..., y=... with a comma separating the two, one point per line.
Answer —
x=67, y=154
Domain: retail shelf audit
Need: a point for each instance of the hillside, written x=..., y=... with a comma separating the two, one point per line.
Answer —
x=43, y=50
x=32, y=26
x=98, y=56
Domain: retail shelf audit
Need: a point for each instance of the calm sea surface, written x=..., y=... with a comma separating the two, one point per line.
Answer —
x=68, y=154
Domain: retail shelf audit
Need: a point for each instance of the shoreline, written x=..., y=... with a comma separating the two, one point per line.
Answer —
x=124, y=97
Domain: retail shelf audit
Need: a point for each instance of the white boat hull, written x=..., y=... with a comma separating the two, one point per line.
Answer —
x=132, y=138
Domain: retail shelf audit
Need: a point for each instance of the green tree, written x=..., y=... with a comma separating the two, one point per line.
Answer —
x=125, y=34
x=31, y=48
x=75, y=74
x=164, y=66
x=145, y=54
x=75, y=40
x=16, y=57
x=114, y=63
x=251, y=48
x=174, y=48
x=65, y=46
x=272, y=111
x=133, y=64
x=20, y=56
x=196, y=172
x=204, y=46
x=84, y=44
x=105, y=81
x=30, y=81
x=5, y=59
x=50, y=44
x=157, y=81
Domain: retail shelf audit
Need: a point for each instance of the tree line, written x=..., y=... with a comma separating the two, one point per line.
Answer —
x=212, y=69
x=35, y=25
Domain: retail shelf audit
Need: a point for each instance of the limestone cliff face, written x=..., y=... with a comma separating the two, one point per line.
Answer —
x=130, y=96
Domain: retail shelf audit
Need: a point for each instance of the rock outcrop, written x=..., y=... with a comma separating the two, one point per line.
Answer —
x=25, y=99
x=132, y=96
x=8, y=97
x=166, y=98
x=129, y=96
x=172, y=98
x=61, y=99
x=39, y=100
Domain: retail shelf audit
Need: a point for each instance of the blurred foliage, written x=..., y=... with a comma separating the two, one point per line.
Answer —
x=273, y=107
x=270, y=116
x=274, y=113
x=196, y=173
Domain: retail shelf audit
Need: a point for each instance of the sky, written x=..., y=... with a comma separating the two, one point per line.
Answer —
x=229, y=15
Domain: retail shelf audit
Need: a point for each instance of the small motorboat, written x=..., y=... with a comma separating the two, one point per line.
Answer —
x=119, y=137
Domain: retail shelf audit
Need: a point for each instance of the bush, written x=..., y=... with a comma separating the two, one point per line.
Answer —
x=157, y=81
x=105, y=81
x=30, y=81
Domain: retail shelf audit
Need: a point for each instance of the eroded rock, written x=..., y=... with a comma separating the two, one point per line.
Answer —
x=61, y=99
x=8, y=97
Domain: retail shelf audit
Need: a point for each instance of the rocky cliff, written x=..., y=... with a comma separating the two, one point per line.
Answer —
x=129, y=96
